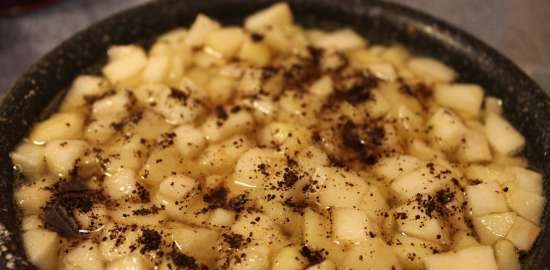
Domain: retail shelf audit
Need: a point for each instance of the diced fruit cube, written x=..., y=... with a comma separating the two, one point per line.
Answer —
x=474, y=258
x=447, y=130
x=411, y=250
x=414, y=219
x=486, y=198
x=431, y=70
x=61, y=155
x=133, y=262
x=275, y=15
x=84, y=256
x=29, y=159
x=526, y=204
x=465, y=98
x=463, y=239
x=225, y=41
x=506, y=255
x=200, y=29
x=490, y=228
x=475, y=148
x=335, y=187
x=523, y=233
x=41, y=247
x=372, y=253
x=289, y=258
x=58, y=127
x=351, y=225
x=527, y=180
x=502, y=136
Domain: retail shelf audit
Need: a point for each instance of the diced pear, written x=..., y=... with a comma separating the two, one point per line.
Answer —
x=189, y=140
x=222, y=157
x=200, y=29
x=225, y=41
x=413, y=219
x=31, y=197
x=324, y=265
x=374, y=204
x=254, y=258
x=423, y=180
x=100, y=130
x=289, y=258
x=473, y=258
x=463, y=239
x=197, y=242
x=464, y=98
x=431, y=70
x=290, y=138
x=290, y=222
x=124, y=63
x=84, y=86
x=488, y=174
x=410, y=250
x=372, y=253
x=275, y=15
x=422, y=150
x=121, y=184
x=222, y=218
x=115, y=106
x=490, y=228
x=41, y=247
x=384, y=71
x=447, y=129
x=220, y=89
x=317, y=235
x=156, y=69
x=151, y=125
x=236, y=123
x=351, y=225
x=29, y=159
x=84, y=256
x=132, y=261
x=164, y=162
x=322, y=87
x=129, y=214
x=256, y=167
x=486, y=198
x=343, y=39
x=117, y=241
x=335, y=187
x=58, y=127
x=256, y=53
x=506, y=255
x=377, y=105
x=178, y=187
x=526, y=204
x=392, y=167
x=261, y=227
x=523, y=233
x=126, y=153
x=502, y=136
x=61, y=155
x=475, y=148
x=527, y=180
x=31, y=222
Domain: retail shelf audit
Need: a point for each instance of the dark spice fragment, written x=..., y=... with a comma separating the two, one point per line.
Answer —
x=233, y=240
x=237, y=203
x=290, y=178
x=178, y=94
x=186, y=262
x=313, y=256
x=150, y=240
x=216, y=198
x=221, y=113
x=256, y=37
x=69, y=196
x=147, y=211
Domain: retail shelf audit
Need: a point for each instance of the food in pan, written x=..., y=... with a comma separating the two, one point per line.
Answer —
x=272, y=146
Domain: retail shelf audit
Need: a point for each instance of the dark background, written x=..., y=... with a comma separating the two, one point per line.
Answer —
x=520, y=29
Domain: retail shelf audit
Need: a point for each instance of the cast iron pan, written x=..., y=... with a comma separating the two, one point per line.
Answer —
x=525, y=103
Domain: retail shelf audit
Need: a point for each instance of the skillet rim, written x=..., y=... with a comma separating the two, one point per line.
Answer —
x=22, y=96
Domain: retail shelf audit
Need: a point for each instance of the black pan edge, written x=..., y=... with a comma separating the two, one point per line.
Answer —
x=526, y=105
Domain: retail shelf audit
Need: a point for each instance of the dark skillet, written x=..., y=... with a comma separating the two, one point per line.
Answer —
x=525, y=103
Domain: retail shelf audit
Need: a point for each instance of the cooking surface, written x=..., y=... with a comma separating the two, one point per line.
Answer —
x=515, y=28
